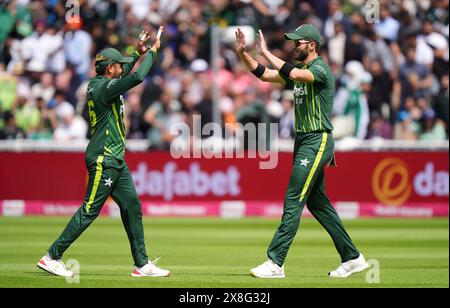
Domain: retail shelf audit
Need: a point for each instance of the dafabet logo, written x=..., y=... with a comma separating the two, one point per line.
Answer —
x=393, y=183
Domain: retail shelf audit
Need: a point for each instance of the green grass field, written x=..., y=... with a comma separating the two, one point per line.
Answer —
x=219, y=253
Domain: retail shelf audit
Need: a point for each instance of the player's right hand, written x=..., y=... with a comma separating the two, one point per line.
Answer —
x=241, y=44
x=142, y=39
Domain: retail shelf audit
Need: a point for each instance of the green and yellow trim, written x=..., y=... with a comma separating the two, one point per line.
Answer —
x=98, y=176
x=320, y=112
x=309, y=108
x=108, y=151
x=117, y=122
x=314, y=166
x=313, y=95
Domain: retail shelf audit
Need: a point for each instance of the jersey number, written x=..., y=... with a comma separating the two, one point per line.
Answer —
x=92, y=115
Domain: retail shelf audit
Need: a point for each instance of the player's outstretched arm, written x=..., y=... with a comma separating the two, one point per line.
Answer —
x=141, y=49
x=295, y=74
x=118, y=86
x=257, y=69
x=127, y=67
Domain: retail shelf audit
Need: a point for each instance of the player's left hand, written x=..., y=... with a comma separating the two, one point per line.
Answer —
x=261, y=43
x=142, y=39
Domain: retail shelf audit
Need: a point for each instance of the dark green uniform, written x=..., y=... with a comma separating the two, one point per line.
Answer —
x=108, y=172
x=313, y=149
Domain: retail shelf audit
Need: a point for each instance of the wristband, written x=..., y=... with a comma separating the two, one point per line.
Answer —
x=286, y=70
x=259, y=70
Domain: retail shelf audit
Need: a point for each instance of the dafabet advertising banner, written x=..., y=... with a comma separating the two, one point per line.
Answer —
x=393, y=184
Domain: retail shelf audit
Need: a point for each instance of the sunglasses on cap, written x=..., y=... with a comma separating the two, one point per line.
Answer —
x=299, y=43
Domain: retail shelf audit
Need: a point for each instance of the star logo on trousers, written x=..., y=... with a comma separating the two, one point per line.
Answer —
x=304, y=162
x=108, y=182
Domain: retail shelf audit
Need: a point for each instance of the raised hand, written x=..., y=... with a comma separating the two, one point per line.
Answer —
x=157, y=43
x=144, y=36
x=261, y=45
x=241, y=43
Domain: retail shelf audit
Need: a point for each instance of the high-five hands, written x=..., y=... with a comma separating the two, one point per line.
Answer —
x=241, y=43
x=261, y=45
x=144, y=36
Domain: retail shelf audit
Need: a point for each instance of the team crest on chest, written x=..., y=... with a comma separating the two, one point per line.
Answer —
x=300, y=90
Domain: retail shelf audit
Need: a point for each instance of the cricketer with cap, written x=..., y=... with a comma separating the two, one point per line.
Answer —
x=313, y=85
x=108, y=172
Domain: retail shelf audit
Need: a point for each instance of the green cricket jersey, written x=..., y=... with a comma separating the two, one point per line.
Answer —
x=106, y=109
x=313, y=101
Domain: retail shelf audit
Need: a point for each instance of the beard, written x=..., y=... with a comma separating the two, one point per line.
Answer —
x=301, y=55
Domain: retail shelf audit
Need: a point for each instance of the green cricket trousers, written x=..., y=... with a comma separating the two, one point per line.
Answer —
x=107, y=177
x=312, y=151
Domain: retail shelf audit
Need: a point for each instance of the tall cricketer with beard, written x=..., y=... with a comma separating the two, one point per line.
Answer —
x=313, y=85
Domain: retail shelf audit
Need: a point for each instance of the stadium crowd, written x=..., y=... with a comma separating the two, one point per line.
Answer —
x=392, y=75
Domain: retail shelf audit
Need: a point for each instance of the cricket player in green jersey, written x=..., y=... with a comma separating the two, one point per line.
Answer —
x=108, y=172
x=313, y=85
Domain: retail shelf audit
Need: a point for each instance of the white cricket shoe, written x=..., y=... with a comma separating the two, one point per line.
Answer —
x=268, y=269
x=55, y=267
x=350, y=267
x=150, y=270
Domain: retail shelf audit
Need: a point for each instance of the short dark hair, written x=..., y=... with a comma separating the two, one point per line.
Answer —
x=318, y=46
x=60, y=92
x=100, y=67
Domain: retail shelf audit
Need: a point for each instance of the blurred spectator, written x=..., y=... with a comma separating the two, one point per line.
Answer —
x=8, y=85
x=441, y=103
x=251, y=110
x=57, y=60
x=354, y=47
x=11, y=130
x=37, y=49
x=26, y=115
x=161, y=116
x=406, y=55
x=379, y=127
x=335, y=16
x=351, y=102
x=388, y=26
x=416, y=79
x=407, y=122
x=287, y=120
x=376, y=49
x=47, y=122
x=133, y=116
x=7, y=21
x=337, y=44
x=431, y=128
x=70, y=126
x=44, y=88
x=77, y=49
x=380, y=93
x=410, y=25
x=205, y=107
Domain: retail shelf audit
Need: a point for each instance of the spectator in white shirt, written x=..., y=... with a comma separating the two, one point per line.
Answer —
x=44, y=88
x=77, y=49
x=388, y=27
